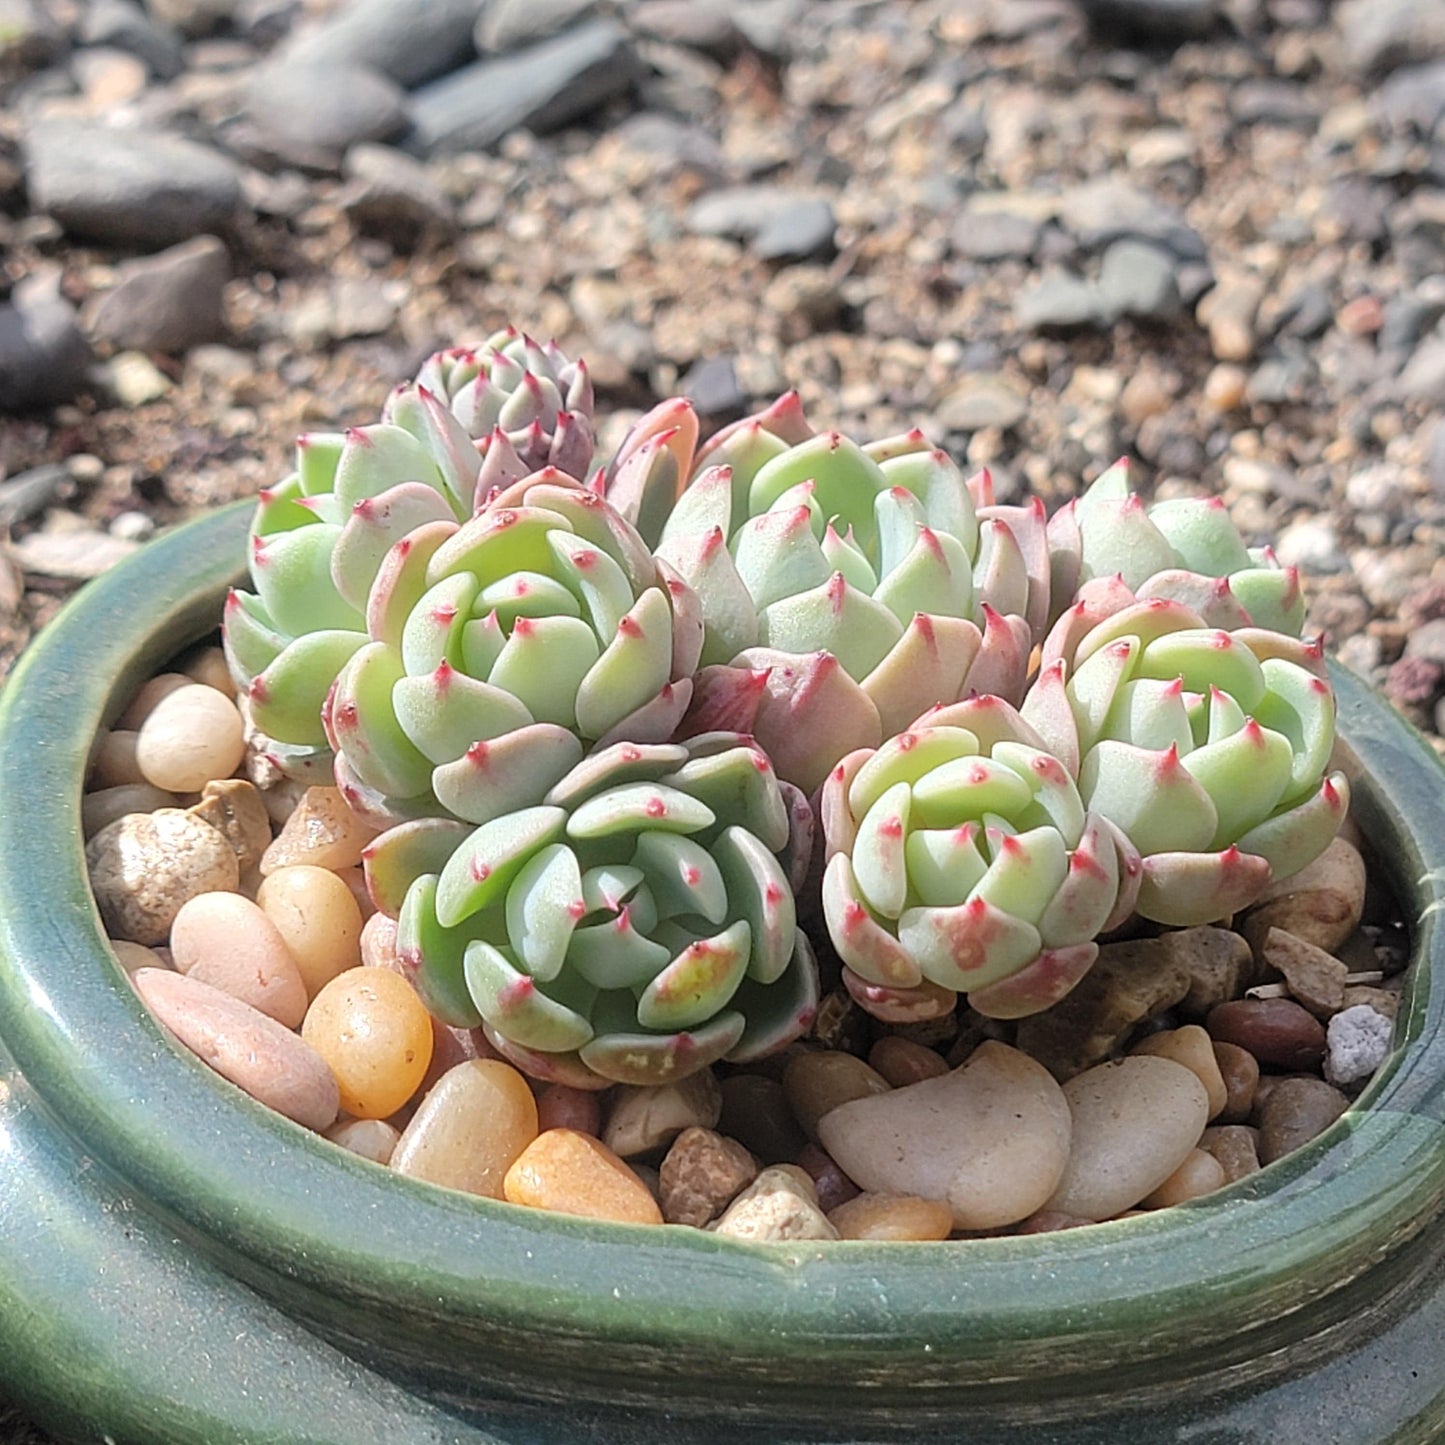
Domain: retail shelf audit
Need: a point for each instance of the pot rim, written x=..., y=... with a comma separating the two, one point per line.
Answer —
x=1239, y=1273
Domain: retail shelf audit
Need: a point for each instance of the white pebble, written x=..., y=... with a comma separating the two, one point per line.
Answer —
x=1356, y=1044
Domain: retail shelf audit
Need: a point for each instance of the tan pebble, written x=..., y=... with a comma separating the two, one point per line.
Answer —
x=1316, y=979
x=114, y=763
x=571, y=1173
x=893, y=1217
x=228, y=942
x=100, y=809
x=561, y=1107
x=314, y=912
x=642, y=1119
x=1240, y=1071
x=1192, y=1047
x=468, y=1130
x=1224, y=386
x=789, y=1178
x=701, y=1175
x=378, y=945
x=208, y=665
x=322, y=831
x=234, y=809
x=991, y=1138
x=376, y=1034
x=1322, y=903
x=145, y=866
x=1200, y=1173
x=1134, y=1122
x=373, y=1139
x=242, y=1044
x=773, y=1210
x=132, y=956
x=192, y=736
x=1296, y=1111
x=755, y=1112
x=901, y=1062
x=1145, y=394
x=1382, y=1000
x=833, y=1186
x=144, y=702
x=1236, y=1146
x=818, y=1081
x=1219, y=963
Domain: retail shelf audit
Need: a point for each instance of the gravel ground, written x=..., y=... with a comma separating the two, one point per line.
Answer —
x=1209, y=234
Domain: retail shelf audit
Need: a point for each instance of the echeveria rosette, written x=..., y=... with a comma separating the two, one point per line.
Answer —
x=321, y=538
x=528, y=392
x=635, y=925
x=1210, y=749
x=1108, y=550
x=501, y=650
x=961, y=859
x=844, y=588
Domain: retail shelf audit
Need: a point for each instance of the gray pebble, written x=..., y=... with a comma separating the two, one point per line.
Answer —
x=123, y=25
x=1137, y=279
x=802, y=231
x=393, y=196
x=411, y=43
x=1058, y=300
x=138, y=188
x=1103, y=210
x=44, y=358
x=1381, y=34
x=167, y=302
x=541, y=89
x=308, y=115
x=509, y=24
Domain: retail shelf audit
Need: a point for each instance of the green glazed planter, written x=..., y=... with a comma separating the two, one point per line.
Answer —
x=178, y=1264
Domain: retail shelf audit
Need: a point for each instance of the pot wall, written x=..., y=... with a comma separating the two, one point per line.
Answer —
x=164, y=1195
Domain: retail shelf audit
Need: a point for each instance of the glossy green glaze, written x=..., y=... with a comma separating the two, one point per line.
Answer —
x=178, y=1264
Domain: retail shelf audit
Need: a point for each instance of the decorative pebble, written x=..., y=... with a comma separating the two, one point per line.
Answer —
x=901, y=1062
x=1294, y=1112
x=132, y=956
x=373, y=1139
x=469, y=1129
x=1219, y=963
x=892, y=1216
x=115, y=762
x=1050, y=1221
x=561, y=1107
x=322, y=831
x=1322, y=903
x=776, y=1208
x=148, y=695
x=316, y=915
x=831, y=1185
x=1277, y=1031
x=1236, y=1146
x=644, y=1119
x=258, y=1055
x=378, y=945
x=234, y=808
x=98, y=810
x=991, y=1138
x=1192, y=1047
x=1200, y=1173
x=1316, y=979
x=208, y=665
x=755, y=1112
x=1356, y=1044
x=572, y=1173
x=818, y=1081
x=702, y=1174
x=1134, y=1122
x=145, y=866
x=1240, y=1071
x=225, y=940
x=190, y=737
x=376, y=1034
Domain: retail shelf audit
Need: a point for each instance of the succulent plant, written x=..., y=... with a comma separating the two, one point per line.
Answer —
x=1209, y=748
x=961, y=859
x=528, y=391
x=321, y=537
x=844, y=588
x=501, y=649
x=635, y=925
x=1108, y=550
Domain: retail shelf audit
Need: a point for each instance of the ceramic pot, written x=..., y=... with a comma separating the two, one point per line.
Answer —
x=178, y=1264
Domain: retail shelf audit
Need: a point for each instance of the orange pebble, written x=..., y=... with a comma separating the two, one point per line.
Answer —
x=572, y=1173
x=892, y=1216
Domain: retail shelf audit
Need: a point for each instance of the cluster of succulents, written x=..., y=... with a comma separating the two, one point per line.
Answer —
x=627, y=737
